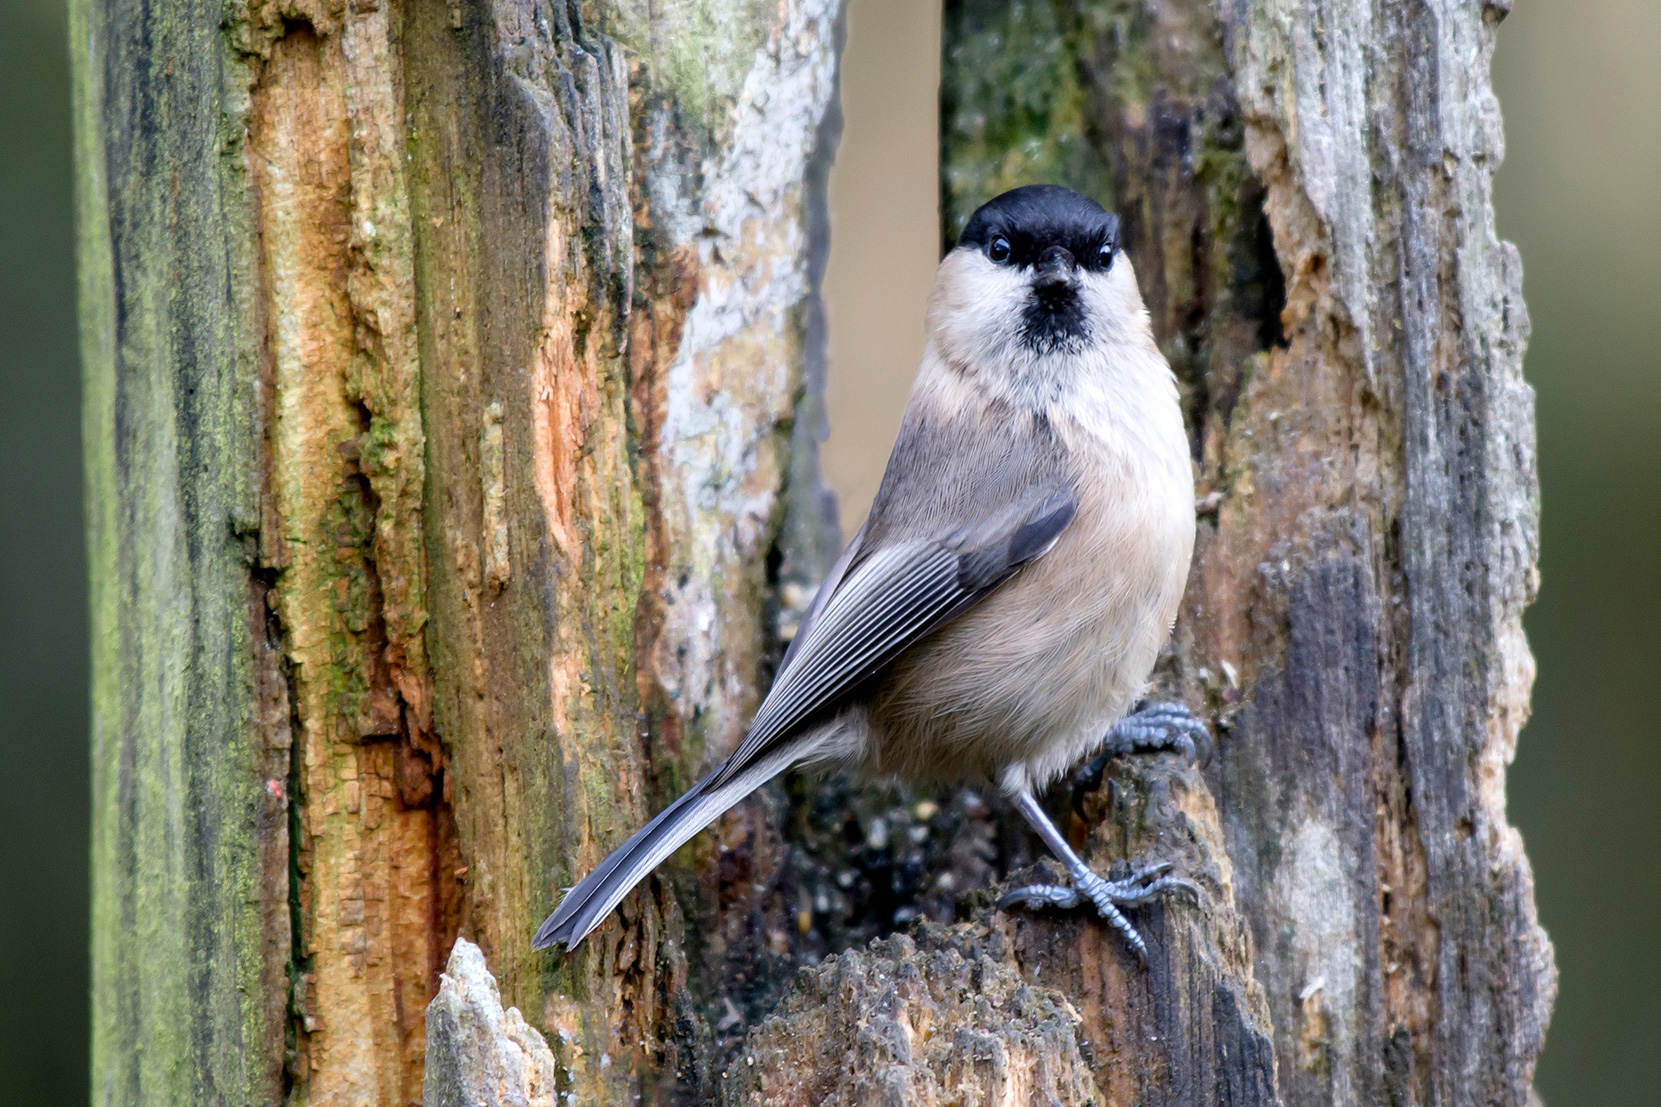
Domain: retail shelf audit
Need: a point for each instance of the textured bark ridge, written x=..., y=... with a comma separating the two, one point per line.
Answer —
x=479, y=1055
x=1191, y=1027
x=937, y=1019
x=1306, y=196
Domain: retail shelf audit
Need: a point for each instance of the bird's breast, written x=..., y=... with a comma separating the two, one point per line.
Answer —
x=1058, y=653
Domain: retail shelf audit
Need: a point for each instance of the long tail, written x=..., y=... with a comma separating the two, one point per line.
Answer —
x=586, y=905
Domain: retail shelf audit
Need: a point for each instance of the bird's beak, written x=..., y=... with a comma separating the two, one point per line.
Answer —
x=1054, y=269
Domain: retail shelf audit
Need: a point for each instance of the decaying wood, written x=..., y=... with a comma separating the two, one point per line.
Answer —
x=479, y=1055
x=1306, y=193
x=934, y=1019
x=446, y=364
x=1192, y=1027
x=452, y=397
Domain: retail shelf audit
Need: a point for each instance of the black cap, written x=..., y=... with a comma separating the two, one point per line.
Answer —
x=1036, y=217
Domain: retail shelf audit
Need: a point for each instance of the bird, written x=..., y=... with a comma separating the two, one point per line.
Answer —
x=997, y=617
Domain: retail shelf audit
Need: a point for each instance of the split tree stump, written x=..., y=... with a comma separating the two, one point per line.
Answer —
x=453, y=392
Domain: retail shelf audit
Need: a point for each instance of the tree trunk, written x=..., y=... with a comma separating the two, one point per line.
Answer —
x=445, y=366
x=453, y=379
x=1305, y=190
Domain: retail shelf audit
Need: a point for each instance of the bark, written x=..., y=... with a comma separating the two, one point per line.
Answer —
x=479, y=1055
x=452, y=378
x=1305, y=190
x=446, y=367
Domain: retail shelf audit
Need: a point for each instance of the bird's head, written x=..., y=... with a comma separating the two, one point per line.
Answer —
x=1037, y=291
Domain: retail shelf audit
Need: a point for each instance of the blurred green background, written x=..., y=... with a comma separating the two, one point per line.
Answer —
x=1580, y=192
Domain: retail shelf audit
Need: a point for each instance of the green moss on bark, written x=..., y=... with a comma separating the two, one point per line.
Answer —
x=1012, y=107
x=187, y=932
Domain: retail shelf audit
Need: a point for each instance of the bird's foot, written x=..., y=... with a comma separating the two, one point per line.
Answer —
x=1156, y=728
x=1160, y=727
x=1125, y=886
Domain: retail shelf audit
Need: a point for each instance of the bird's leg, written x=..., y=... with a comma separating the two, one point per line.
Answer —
x=1143, y=884
x=1156, y=728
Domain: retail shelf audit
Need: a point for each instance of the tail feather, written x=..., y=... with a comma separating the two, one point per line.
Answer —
x=553, y=928
x=586, y=905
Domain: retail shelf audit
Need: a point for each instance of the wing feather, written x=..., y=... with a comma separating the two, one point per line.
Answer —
x=873, y=605
x=888, y=601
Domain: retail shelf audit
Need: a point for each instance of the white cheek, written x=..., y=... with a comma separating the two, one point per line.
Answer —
x=980, y=308
x=996, y=312
x=1099, y=298
x=1112, y=300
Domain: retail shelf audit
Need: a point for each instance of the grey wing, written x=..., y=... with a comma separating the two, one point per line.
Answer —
x=827, y=588
x=872, y=606
x=889, y=599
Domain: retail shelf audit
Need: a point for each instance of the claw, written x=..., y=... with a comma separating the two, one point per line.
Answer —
x=1149, y=872
x=1155, y=728
x=1130, y=885
x=1058, y=896
x=1142, y=885
x=1170, y=726
x=1146, y=893
x=1088, y=781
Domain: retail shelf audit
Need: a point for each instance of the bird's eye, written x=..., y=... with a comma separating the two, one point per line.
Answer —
x=1104, y=257
x=998, y=249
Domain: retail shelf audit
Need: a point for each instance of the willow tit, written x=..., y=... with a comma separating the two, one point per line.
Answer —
x=1002, y=607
